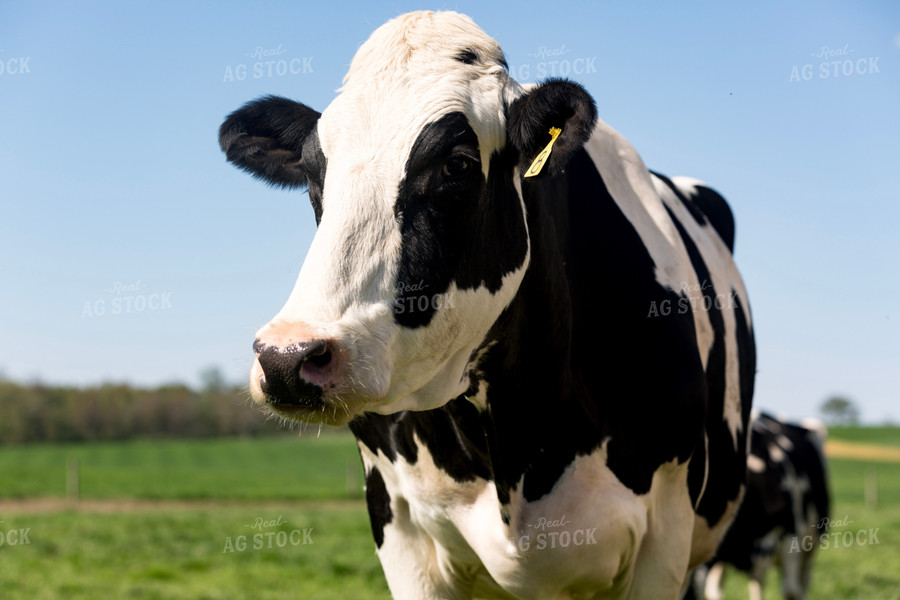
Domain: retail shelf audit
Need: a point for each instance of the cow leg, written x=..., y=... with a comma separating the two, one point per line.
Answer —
x=805, y=571
x=412, y=563
x=661, y=567
x=792, y=567
x=755, y=588
x=712, y=590
x=410, y=558
x=693, y=585
x=760, y=565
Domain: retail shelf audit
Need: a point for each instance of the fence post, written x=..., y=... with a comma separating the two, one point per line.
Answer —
x=73, y=479
x=872, y=488
x=352, y=483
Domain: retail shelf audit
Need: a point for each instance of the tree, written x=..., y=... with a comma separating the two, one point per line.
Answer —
x=839, y=410
x=212, y=380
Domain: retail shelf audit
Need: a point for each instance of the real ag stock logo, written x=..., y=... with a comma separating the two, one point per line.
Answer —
x=14, y=537
x=693, y=303
x=267, y=63
x=127, y=297
x=834, y=63
x=267, y=539
x=408, y=302
x=13, y=65
x=826, y=539
x=553, y=62
x=552, y=534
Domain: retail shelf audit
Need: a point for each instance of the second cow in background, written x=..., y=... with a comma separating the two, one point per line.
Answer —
x=782, y=516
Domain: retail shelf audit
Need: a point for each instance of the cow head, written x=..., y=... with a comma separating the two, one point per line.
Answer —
x=414, y=175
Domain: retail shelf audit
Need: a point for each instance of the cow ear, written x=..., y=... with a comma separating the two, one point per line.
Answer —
x=265, y=137
x=556, y=103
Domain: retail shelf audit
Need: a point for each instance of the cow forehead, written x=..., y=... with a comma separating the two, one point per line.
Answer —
x=411, y=72
x=406, y=47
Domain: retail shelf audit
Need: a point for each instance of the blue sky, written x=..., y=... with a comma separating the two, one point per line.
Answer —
x=112, y=185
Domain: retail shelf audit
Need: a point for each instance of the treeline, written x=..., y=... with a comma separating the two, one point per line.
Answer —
x=40, y=413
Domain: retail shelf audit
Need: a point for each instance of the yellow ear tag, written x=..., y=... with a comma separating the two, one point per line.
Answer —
x=538, y=163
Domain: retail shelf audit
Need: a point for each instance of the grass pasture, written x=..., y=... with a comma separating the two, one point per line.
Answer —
x=162, y=519
x=272, y=468
x=193, y=553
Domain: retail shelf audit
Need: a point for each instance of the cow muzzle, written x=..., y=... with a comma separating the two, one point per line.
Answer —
x=295, y=373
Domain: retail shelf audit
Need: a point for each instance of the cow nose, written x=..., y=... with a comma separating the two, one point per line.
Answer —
x=298, y=373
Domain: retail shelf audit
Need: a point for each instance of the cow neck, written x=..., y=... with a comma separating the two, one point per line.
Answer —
x=537, y=416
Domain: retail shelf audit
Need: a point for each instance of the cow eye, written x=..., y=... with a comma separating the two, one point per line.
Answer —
x=458, y=165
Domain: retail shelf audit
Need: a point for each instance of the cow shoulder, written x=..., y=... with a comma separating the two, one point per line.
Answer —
x=705, y=204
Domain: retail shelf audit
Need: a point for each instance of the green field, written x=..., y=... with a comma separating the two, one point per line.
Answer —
x=164, y=518
x=284, y=467
x=193, y=553
x=889, y=436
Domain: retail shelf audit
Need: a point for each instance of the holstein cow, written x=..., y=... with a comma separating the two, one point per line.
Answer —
x=784, y=513
x=549, y=376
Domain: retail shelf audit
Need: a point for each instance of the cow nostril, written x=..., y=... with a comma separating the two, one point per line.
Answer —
x=320, y=360
x=262, y=384
x=319, y=366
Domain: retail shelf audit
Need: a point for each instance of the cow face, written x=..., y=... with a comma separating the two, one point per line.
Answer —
x=413, y=173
